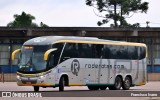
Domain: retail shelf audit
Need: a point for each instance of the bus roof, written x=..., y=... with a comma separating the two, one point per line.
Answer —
x=48, y=40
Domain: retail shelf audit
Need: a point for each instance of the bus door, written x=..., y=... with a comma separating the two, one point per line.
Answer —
x=50, y=65
x=91, y=71
x=100, y=72
x=87, y=53
x=104, y=70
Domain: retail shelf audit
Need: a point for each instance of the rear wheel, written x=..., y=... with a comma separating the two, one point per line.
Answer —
x=61, y=84
x=117, y=85
x=36, y=88
x=126, y=84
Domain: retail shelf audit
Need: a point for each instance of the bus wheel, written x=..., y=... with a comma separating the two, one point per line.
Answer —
x=93, y=87
x=117, y=85
x=103, y=87
x=126, y=84
x=36, y=88
x=61, y=84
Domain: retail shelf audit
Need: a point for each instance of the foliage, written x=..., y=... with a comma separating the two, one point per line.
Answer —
x=118, y=10
x=43, y=25
x=23, y=21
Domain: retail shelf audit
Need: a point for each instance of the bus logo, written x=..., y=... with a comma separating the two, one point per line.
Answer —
x=39, y=39
x=75, y=67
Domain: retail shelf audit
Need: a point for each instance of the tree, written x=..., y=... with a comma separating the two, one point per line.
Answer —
x=118, y=10
x=43, y=25
x=24, y=20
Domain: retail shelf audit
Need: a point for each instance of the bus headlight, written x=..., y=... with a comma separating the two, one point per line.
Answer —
x=41, y=77
x=18, y=77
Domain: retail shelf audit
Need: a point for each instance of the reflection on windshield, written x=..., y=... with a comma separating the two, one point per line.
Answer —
x=38, y=60
x=31, y=60
x=26, y=57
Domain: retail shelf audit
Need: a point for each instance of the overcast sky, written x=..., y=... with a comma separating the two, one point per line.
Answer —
x=69, y=13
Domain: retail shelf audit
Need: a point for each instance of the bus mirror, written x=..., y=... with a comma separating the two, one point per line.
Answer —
x=46, y=54
x=14, y=53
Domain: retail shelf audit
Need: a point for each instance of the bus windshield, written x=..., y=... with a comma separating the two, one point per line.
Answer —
x=31, y=59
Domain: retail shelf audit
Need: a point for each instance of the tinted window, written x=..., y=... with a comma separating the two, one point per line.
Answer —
x=107, y=52
x=41, y=48
x=98, y=50
x=132, y=53
x=142, y=53
x=57, y=53
x=70, y=51
x=113, y=50
x=85, y=51
x=122, y=52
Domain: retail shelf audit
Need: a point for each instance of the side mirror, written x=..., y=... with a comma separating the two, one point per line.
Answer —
x=14, y=53
x=46, y=54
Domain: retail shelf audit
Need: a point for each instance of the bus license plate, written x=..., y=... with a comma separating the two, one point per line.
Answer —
x=28, y=82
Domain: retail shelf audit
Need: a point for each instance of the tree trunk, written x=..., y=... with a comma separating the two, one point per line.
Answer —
x=115, y=15
x=121, y=17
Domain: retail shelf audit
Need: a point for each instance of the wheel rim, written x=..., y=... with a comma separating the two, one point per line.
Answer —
x=127, y=83
x=117, y=84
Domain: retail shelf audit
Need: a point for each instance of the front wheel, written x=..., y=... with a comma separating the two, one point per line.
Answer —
x=36, y=88
x=126, y=84
x=61, y=84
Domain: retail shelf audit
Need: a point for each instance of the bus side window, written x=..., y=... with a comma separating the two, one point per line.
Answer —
x=57, y=53
x=118, y=52
x=141, y=52
x=113, y=49
x=70, y=51
x=98, y=48
x=85, y=50
x=132, y=52
x=107, y=52
x=122, y=52
x=51, y=62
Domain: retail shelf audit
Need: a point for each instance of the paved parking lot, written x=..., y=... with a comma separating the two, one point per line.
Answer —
x=81, y=91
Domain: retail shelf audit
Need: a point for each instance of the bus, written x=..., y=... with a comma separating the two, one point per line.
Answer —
x=59, y=61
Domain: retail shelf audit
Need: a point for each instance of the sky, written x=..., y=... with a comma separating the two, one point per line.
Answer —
x=69, y=13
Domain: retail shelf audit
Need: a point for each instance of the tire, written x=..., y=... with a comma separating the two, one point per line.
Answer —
x=126, y=84
x=103, y=87
x=117, y=85
x=93, y=87
x=61, y=84
x=36, y=88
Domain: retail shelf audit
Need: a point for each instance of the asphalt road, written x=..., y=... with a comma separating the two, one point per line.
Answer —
x=79, y=93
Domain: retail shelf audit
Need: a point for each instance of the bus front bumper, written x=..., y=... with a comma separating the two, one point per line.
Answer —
x=33, y=81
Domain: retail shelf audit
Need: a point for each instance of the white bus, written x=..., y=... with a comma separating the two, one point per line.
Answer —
x=59, y=61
